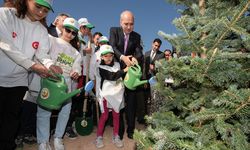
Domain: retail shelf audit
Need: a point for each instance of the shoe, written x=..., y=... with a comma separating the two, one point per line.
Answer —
x=19, y=142
x=44, y=146
x=58, y=144
x=130, y=135
x=141, y=121
x=70, y=133
x=117, y=141
x=99, y=142
x=29, y=139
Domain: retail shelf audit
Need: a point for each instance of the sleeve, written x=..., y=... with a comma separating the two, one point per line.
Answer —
x=113, y=40
x=77, y=64
x=138, y=54
x=92, y=67
x=15, y=54
x=112, y=76
x=42, y=53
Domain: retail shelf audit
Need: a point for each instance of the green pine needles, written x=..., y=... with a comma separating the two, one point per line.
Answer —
x=208, y=105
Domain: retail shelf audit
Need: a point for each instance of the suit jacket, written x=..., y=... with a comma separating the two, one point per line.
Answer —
x=52, y=30
x=147, y=61
x=134, y=48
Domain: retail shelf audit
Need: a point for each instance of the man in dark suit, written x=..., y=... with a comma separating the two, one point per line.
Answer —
x=151, y=56
x=128, y=51
x=149, y=65
x=55, y=28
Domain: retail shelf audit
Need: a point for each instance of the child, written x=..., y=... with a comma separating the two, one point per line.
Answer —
x=68, y=58
x=22, y=37
x=111, y=92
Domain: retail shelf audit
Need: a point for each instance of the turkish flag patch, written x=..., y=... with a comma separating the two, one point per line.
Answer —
x=14, y=35
x=35, y=45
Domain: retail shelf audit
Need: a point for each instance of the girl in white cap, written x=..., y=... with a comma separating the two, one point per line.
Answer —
x=111, y=91
x=22, y=37
x=63, y=52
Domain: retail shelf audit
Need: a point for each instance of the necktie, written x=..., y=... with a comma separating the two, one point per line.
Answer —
x=152, y=55
x=125, y=42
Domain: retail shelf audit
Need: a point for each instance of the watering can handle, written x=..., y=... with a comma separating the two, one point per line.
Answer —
x=136, y=67
x=59, y=77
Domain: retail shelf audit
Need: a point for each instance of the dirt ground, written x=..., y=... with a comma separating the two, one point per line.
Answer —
x=87, y=142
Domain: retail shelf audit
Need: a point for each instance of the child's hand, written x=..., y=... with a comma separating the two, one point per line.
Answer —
x=56, y=69
x=41, y=70
x=125, y=69
x=152, y=67
x=74, y=75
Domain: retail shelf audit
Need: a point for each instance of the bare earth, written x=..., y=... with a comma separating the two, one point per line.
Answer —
x=87, y=142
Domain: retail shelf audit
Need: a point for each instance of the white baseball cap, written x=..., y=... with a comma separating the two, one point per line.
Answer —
x=71, y=23
x=45, y=3
x=85, y=22
x=103, y=39
x=105, y=49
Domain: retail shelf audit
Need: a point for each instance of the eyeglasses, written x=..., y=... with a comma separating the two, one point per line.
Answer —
x=70, y=31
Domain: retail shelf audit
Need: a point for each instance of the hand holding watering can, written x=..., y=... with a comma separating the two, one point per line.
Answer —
x=132, y=78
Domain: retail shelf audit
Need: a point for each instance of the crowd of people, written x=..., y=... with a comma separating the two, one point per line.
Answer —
x=31, y=50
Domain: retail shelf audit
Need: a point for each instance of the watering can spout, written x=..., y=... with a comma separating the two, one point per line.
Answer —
x=71, y=94
x=140, y=82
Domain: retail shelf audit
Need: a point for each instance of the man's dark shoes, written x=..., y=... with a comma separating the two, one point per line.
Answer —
x=141, y=121
x=130, y=135
x=71, y=133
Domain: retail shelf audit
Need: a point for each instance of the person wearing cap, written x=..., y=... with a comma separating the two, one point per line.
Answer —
x=128, y=51
x=64, y=53
x=96, y=58
x=111, y=94
x=55, y=28
x=23, y=37
x=95, y=61
x=87, y=48
x=85, y=32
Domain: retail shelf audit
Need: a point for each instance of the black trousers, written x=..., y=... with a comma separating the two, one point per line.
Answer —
x=130, y=112
x=28, y=119
x=10, y=107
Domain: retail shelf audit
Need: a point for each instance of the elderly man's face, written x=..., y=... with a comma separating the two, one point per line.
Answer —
x=127, y=23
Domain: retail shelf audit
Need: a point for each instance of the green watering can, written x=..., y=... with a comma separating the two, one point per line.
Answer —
x=53, y=92
x=132, y=78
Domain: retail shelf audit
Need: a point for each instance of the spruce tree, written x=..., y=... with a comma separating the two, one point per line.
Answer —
x=208, y=105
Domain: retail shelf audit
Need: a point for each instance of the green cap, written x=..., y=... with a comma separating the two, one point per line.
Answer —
x=105, y=49
x=46, y=3
x=85, y=22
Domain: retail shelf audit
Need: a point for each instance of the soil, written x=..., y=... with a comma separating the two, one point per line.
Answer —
x=87, y=142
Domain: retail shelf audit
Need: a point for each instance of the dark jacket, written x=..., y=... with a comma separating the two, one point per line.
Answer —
x=147, y=61
x=134, y=48
x=52, y=30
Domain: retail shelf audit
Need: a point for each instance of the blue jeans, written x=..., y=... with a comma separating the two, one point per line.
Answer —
x=43, y=123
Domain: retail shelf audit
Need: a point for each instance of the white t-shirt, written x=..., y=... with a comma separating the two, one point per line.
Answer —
x=20, y=41
x=65, y=56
